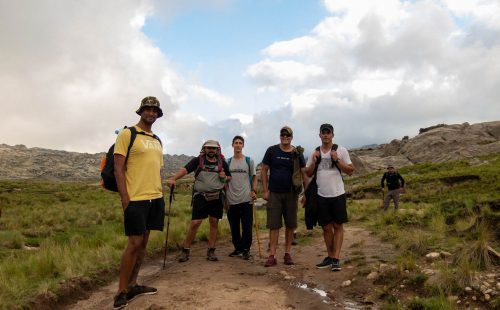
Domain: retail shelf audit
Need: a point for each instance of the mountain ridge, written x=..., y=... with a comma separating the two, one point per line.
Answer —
x=437, y=143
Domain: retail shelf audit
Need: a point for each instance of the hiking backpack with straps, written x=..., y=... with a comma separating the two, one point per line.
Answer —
x=334, y=148
x=247, y=159
x=108, y=161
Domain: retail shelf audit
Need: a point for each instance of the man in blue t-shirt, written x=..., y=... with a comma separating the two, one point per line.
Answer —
x=280, y=192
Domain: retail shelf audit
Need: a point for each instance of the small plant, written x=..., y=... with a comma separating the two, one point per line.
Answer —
x=477, y=250
x=418, y=280
x=433, y=303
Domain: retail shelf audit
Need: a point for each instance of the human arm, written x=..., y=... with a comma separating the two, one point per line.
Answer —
x=179, y=174
x=382, y=181
x=341, y=158
x=120, y=179
x=224, y=174
x=311, y=164
x=263, y=179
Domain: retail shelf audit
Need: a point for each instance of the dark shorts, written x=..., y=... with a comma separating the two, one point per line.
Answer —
x=202, y=208
x=332, y=209
x=282, y=205
x=143, y=215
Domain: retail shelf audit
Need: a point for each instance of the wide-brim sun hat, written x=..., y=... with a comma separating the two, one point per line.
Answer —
x=150, y=101
x=211, y=143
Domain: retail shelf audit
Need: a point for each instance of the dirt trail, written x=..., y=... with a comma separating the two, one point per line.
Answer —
x=233, y=283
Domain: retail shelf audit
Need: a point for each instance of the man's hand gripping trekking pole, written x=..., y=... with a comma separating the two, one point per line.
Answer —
x=168, y=223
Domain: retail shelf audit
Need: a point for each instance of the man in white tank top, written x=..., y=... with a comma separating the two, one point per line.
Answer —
x=331, y=199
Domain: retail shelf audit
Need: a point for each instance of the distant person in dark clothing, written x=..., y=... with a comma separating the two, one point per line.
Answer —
x=394, y=187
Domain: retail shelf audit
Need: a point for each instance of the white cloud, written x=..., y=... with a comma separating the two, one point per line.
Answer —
x=70, y=74
x=293, y=72
x=205, y=94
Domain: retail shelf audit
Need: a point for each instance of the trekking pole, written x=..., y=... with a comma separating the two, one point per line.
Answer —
x=168, y=224
x=256, y=227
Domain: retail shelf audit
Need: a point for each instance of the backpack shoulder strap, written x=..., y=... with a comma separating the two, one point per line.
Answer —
x=133, y=135
x=229, y=161
x=335, y=147
x=200, y=165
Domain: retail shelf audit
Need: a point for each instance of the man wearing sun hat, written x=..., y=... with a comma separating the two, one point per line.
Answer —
x=280, y=193
x=137, y=171
x=211, y=175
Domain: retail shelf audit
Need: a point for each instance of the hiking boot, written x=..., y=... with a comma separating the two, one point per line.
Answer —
x=294, y=240
x=235, y=253
x=327, y=262
x=288, y=259
x=246, y=255
x=211, y=255
x=271, y=261
x=138, y=290
x=184, y=255
x=120, y=301
x=336, y=265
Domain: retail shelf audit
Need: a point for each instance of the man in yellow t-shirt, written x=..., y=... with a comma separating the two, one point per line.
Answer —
x=139, y=185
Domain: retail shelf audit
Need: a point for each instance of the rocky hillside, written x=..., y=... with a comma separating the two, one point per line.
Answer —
x=438, y=143
x=433, y=144
x=20, y=162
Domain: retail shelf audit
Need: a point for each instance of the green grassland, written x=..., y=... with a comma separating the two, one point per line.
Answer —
x=452, y=207
x=54, y=232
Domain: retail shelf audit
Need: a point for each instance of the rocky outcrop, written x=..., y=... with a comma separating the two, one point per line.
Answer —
x=438, y=143
x=20, y=162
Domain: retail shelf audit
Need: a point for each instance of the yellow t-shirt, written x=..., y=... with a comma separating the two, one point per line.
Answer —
x=143, y=165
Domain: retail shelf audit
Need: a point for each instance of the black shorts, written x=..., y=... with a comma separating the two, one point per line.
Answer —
x=143, y=215
x=332, y=209
x=202, y=208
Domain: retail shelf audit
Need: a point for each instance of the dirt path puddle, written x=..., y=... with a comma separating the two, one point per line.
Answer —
x=346, y=304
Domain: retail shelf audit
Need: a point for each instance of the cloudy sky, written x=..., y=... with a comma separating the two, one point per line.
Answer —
x=71, y=72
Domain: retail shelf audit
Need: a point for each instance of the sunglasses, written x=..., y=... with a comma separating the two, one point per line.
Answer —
x=285, y=135
x=211, y=148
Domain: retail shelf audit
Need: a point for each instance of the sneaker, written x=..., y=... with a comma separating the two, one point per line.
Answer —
x=336, y=265
x=184, y=255
x=246, y=255
x=271, y=261
x=327, y=262
x=288, y=259
x=120, y=301
x=235, y=253
x=294, y=240
x=138, y=290
x=211, y=255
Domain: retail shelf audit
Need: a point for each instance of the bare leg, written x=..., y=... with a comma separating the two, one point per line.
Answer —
x=288, y=239
x=212, y=236
x=129, y=258
x=328, y=237
x=140, y=258
x=273, y=240
x=193, y=228
x=338, y=238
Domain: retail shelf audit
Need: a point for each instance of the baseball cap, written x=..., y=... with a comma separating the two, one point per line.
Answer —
x=326, y=127
x=287, y=130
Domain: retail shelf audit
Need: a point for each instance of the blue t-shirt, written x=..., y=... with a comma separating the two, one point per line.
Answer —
x=281, y=169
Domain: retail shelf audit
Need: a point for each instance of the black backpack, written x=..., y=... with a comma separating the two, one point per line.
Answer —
x=108, y=161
